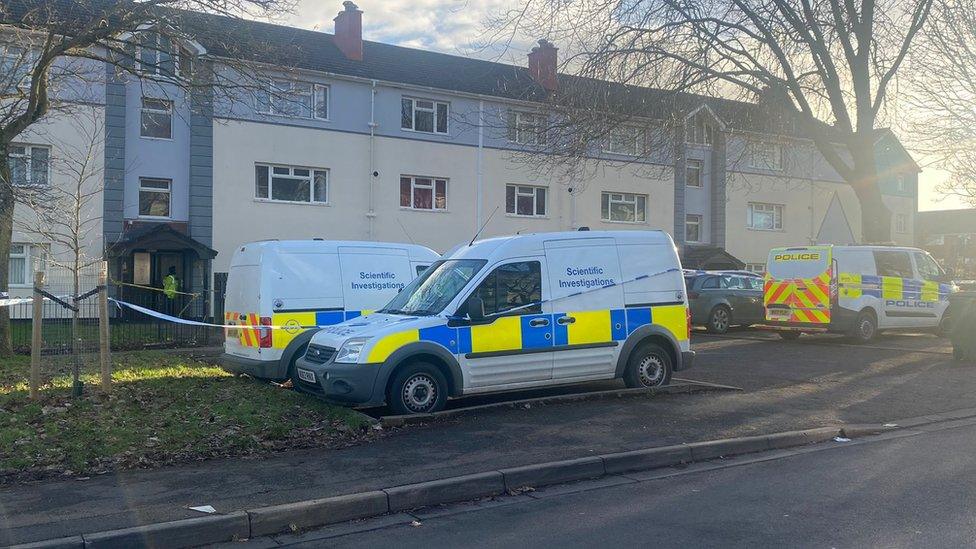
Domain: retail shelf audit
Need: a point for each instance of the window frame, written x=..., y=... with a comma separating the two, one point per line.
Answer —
x=435, y=117
x=779, y=151
x=778, y=211
x=143, y=110
x=611, y=201
x=313, y=87
x=535, y=200
x=697, y=165
x=520, y=122
x=920, y=258
x=700, y=130
x=433, y=192
x=639, y=140
x=907, y=255
x=490, y=317
x=28, y=157
x=26, y=256
x=751, y=267
x=181, y=57
x=168, y=192
x=900, y=221
x=312, y=174
x=699, y=221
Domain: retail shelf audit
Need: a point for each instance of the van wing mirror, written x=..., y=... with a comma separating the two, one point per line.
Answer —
x=475, y=307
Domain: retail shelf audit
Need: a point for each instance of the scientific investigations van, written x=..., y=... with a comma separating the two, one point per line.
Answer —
x=857, y=290
x=510, y=313
x=302, y=285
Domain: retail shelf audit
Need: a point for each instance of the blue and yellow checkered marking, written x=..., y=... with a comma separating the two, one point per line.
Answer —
x=513, y=333
x=296, y=322
x=853, y=286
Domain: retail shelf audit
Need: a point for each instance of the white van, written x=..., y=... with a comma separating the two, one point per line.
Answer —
x=303, y=284
x=856, y=290
x=510, y=313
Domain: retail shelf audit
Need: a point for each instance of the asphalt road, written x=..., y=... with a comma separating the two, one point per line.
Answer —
x=914, y=491
x=817, y=381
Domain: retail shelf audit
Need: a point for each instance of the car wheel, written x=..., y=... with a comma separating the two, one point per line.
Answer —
x=719, y=320
x=944, y=326
x=790, y=335
x=419, y=388
x=865, y=328
x=299, y=353
x=648, y=366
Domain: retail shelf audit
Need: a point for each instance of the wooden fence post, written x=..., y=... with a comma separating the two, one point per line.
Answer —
x=104, y=339
x=37, y=322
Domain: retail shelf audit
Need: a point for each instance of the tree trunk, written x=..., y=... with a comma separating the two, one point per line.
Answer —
x=6, y=233
x=875, y=216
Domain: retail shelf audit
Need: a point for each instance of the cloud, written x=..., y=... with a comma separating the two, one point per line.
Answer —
x=457, y=27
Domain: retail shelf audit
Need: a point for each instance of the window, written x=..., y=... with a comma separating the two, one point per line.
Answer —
x=693, y=225
x=893, y=263
x=765, y=217
x=525, y=200
x=159, y=55
x=157, y=118
x=766, y=155
x=423, y=115
x=295, y=99
x=901, y=223
x=700, y=129
x=903, y=183
x=512, y=286
x=30, y=165
x=19, y=264
x=291, y=184
x=626, y=140
x=624, y=207
x=756, y=267
x=526, y=128
x=154, y=197
x=711, y=283
x=423, y=193
x=693, y=173
x=15, y=66
x=928, y=269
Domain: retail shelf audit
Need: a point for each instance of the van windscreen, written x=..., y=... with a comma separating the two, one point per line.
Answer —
x=802, y=263
x=435, y=288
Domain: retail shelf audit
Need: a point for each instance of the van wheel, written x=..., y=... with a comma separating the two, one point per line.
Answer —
x=790, y=335
x=419, y=388
x=648, y=366
x=865, y=328
x=719, y=320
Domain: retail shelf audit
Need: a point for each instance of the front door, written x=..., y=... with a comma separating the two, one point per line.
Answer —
x=513, y=343
x=164, y=263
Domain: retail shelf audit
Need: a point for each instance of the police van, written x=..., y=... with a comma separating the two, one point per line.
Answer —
x=856, y=290
x=510, y=313
x=300, y=284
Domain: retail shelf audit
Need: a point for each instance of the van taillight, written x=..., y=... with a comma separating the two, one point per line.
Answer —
x=688, y=318
x=265, y=341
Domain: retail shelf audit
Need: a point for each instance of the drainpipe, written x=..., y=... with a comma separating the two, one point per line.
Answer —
x=480, y=168
x=371, y=214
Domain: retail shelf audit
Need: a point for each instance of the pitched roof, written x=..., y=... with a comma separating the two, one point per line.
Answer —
x=946, y=222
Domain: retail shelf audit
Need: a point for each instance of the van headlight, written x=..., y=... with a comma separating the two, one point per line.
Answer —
x=349, y=352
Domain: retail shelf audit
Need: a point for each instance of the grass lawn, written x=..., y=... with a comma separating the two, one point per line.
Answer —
x=164, y=409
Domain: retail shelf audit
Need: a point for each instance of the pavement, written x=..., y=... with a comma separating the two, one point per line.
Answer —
x=907, y=490
x=817, y=381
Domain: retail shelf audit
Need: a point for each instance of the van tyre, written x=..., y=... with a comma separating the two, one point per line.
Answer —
x=865, y=328
x=418, y=388
x=719, y=320
x=648, y=366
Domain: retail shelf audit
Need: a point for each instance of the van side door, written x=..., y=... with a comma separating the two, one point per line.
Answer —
x=513, y=343
x=897, y=273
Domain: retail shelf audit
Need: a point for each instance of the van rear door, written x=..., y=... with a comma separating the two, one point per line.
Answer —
x=797, y=285
x=242, y=305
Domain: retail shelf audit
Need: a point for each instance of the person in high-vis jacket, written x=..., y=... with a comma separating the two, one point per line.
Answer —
x=171, y=288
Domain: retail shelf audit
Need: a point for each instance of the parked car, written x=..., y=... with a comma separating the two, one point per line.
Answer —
x=511, y=313
x=722, y=299
x=304, y=285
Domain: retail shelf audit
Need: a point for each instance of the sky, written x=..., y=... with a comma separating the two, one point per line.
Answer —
x=458, y=27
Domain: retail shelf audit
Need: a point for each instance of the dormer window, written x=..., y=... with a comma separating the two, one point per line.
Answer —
x=700, y=129
x=160, y=55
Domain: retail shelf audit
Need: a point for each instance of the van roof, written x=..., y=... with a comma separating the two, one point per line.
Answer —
x=853, y=247
x=251, y=251
x=532, y=243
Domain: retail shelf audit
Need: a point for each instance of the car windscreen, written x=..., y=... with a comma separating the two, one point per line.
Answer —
x=798, y=263
x=435, y=288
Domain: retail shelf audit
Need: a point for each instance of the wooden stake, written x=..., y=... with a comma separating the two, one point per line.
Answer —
x=104, y=340
x=37, y=322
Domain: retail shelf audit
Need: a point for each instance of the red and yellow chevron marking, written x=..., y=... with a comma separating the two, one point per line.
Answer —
x=808, y=299
x=248, y=337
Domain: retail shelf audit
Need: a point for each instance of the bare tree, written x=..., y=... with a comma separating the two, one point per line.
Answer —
x=944, y=99
x=826, y=65
x=53, y=52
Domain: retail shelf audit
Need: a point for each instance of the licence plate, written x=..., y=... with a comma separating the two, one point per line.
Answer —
x=306, y=375
x=779, y=314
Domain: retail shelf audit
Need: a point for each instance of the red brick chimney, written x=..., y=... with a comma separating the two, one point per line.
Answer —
x=542, y=64
x=349, y=31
